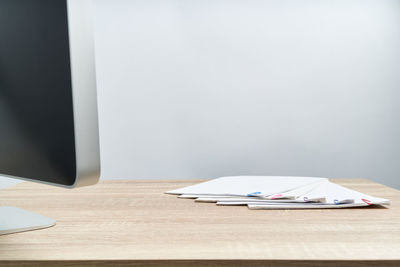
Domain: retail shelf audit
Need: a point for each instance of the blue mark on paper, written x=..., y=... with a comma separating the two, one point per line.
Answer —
x=254, y=194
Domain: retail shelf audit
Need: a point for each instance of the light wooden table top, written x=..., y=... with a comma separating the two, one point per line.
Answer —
x=133, y=222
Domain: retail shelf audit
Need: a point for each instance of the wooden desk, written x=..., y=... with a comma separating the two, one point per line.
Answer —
x=121, y=223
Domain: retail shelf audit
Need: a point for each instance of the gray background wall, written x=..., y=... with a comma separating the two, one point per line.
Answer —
x=208, y=88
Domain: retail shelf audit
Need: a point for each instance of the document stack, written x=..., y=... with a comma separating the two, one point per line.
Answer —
x=277, y=192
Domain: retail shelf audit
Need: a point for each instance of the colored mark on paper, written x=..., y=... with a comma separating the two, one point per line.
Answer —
x=367, y=201
x=254, y=194
x=277, y=196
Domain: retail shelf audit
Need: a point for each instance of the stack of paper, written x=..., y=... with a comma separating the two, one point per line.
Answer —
x=277, y=192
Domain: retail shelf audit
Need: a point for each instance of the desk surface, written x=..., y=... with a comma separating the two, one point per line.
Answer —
x=133, y=222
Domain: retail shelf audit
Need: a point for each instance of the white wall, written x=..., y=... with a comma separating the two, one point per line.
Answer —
x=206, y=88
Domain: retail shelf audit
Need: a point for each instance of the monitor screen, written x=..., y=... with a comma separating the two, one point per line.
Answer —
x=36, y=107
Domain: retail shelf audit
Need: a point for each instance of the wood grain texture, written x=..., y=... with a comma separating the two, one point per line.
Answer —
x=132, y=223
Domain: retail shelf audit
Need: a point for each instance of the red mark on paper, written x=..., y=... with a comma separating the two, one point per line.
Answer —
x=277, y=196
x=367, y=201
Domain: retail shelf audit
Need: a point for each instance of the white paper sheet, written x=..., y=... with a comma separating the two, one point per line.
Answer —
x=305, y=206
x=247, y=185
x=203, y=196
x=246, y=200
x=336, y=194
x=277, y=192
x=326, y=192
x=295, y=193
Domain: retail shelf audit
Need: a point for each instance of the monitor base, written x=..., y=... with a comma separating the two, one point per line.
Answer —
x=14, y=220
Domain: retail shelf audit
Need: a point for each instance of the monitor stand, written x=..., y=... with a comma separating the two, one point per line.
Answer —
x=14, y=220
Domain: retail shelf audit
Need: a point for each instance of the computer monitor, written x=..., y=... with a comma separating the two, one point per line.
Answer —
x=48, y=102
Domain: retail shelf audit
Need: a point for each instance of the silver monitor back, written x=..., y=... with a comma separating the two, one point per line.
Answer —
x=48, y=102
